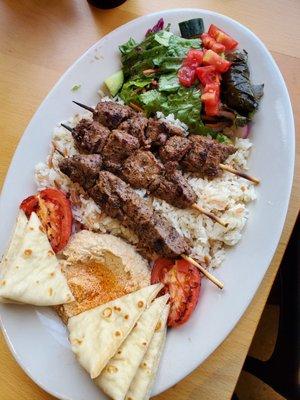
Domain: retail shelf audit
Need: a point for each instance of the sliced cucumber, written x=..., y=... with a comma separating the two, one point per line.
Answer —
x=192, y=28
x=115, y=82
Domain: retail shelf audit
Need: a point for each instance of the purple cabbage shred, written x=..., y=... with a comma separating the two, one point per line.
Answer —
x=157, y=27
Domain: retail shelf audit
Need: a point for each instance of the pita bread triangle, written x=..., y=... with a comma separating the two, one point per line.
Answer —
x=15, y=243
x=142, y=383
x=16, y=240
x=96, y=334
x=30, y=272
x=116, y=377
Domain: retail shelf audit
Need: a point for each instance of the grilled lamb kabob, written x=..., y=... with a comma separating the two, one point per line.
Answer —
x=118, y=200
x=195, y=153
x=122, y=155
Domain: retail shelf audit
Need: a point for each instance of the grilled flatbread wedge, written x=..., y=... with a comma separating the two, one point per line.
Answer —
x=15, y=243
x=142, y=383
x=96, y=334
x=30, y=272
x=116, y=377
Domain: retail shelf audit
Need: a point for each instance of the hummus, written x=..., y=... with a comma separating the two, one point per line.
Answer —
x=100, y=268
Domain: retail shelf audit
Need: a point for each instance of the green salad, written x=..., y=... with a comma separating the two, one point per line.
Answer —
x=183, y=76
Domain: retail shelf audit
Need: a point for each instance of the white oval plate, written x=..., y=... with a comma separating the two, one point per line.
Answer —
x=36, y=336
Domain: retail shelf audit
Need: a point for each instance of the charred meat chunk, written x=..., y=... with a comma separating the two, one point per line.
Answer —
x=90, y=136
x=137, y=126
x=83, y=169
x=118, y=200
x=174, y=149
x=159, y=235
x=118, y=147
x=111, y=114
x=172, y=130
x=159, y=131
x=195, y=158
x=155, y=132
x=173, y=188
x=141, y=169
x=205, y=156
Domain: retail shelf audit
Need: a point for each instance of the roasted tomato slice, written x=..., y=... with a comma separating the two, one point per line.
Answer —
x=193, y=58
x=187, y=76
x=212, y=58
x=210, y=43
x=222, y=37
x=208, y=74
x=182, y=281
x=54, y=212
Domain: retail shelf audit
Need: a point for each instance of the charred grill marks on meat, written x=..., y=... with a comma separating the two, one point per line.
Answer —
x=118, y=200
x=196, y=154
x=193, y=154
x=112, y=114
x=159, y=131
x=175, y=149
x=143, y=170
x=90, y=136
x=83, y=169
x=117, y=148
x=137, y=127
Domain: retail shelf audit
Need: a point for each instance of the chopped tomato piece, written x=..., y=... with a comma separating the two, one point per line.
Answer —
x=210, y=43
x=211, y=99
x=182, y=281
x=194, y=58
x=212, y=58
x=222, y=37
x=187, y=76
x=208, y=74
x=54, y=212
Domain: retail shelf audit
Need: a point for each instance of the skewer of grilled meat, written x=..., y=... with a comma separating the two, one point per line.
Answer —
x=118, y=200
x=149, y=131
x=200, y=154
x=143, y=170
x=139, y=168
x=203, y=155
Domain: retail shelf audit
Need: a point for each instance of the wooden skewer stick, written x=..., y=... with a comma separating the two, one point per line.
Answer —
x=234, y=171
x=208, y=275
x=210, y=215
x=67, y=127
x=136, y=107
x=84, y=106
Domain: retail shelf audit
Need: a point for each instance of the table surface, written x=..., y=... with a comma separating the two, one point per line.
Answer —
x=39, y=39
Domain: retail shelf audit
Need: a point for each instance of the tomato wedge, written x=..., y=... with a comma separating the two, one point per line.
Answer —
x=182, y=281
x=212, y=58
x=54, y=211
x=186, y=76
x=222, y=37
x=210, y=43
x=208, y=74
x=194, y=58
x=211, y=99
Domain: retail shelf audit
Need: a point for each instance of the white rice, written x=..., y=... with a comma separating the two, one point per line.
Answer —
x=226, y=196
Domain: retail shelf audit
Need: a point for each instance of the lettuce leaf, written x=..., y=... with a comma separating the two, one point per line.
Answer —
x=185, y=104
x=130, y=90
x=152, y=101
x=128, y=46
x=162, y=50
x=168, y=83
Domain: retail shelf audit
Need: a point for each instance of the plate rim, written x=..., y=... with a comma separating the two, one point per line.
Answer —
x=286, y=202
